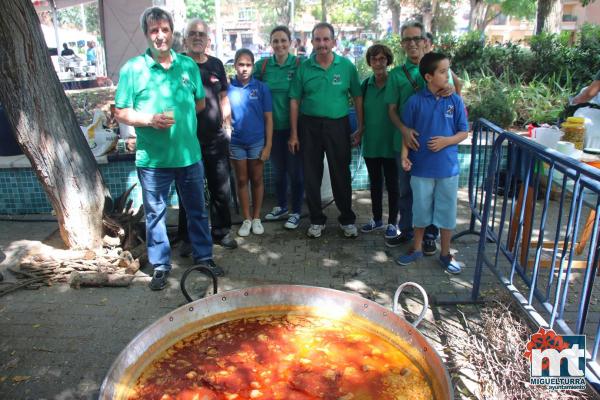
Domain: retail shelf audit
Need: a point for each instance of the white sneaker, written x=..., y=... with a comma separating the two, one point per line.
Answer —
x=349, y=230
x=315, y=230
x=245, y=228
x=276, y=213
x=257, y=227
x=293, y=221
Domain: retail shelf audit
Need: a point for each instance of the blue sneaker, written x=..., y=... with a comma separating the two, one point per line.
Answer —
x=292, y=222
x=276, y=213
x=450, y=264
x=409, y=258
x=372, y=226
x=391, y=231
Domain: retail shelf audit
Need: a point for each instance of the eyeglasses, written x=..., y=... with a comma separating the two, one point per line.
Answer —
x=415, y=39
x=381, y=59
x=198, y=34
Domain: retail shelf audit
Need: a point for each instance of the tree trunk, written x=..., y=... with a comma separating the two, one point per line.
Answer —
x=477, y=14
x=46, y=128
x=395, y=8
x=436, y=18
x=548, y=16
x=324, y=10
x=427, y=13
x=490, y=14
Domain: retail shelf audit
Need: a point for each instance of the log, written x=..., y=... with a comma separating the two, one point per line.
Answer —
x=64, y=255
x=124, y=260
x=111, y=241
x=98, y=278
x=133, y=267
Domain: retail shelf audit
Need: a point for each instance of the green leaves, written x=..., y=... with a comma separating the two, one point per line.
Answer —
x=519, y=8
x=203, y=9
x=548, y=55
x=362, y=13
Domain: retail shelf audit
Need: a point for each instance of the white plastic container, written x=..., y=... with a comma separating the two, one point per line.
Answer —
x=548, y=137
x=592, y=127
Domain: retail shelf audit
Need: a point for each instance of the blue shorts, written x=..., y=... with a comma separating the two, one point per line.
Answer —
x=246, y=151
x=434, y=201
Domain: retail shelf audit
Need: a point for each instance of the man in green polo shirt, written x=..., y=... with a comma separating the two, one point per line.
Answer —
x=159, y=94
x=404, y=81
x=319, y=125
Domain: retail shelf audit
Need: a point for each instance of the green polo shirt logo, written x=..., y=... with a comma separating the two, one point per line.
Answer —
x=185, y=80
x=324, y=92
x=290, y=75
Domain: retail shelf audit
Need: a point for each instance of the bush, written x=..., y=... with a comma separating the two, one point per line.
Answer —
x=363, y=68
x=574, y=59
x=467, y=56
x=394, y=42
x=487, y=98
x=539, y=101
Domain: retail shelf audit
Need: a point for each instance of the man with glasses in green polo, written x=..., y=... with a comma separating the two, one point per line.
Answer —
x=404, y=81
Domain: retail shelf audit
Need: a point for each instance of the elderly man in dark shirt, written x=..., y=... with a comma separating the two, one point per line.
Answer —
x=214, y=134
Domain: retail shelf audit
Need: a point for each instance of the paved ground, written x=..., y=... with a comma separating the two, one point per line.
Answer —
x=58, y=343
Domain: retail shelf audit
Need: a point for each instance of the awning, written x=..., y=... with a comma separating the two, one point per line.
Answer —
x=46, y=5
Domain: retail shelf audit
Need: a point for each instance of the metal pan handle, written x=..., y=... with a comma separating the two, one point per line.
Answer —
x=398, y=310
x=201, y=269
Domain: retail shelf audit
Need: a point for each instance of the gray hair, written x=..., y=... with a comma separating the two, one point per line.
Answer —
x=153, y=14
x=194, y=22
x=412, y=24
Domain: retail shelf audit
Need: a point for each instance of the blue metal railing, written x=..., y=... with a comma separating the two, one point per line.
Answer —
x=532, y=236
x=484, y=134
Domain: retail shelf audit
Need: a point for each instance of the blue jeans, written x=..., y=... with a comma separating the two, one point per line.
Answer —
x=405, y=200
x=156, y=185
x=287, y=164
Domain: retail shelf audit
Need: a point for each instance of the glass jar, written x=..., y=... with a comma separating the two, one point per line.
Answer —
x=574, y=133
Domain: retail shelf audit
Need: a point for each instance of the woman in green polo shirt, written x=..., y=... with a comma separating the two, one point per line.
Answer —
x=378, y=142
x=278, y=72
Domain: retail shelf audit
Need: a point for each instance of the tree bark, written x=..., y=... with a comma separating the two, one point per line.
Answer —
x=324, y=10
x=477, y=14
x=427, y=13
x=548, y=16
x=46, y=128
x=395, y=8
x=490, y=14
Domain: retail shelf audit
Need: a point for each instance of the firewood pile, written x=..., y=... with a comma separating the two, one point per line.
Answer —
x=115, y=264
x=489, y=355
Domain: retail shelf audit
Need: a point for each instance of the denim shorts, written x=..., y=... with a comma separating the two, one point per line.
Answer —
x=246, y=151
x=434, y=201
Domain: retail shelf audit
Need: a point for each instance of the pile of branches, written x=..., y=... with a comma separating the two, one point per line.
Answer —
x=122, y=255
x=493, y=350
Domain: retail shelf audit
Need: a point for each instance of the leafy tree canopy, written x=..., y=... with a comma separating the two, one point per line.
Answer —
x=361, y=13
x=70, y=17
x=203, y=9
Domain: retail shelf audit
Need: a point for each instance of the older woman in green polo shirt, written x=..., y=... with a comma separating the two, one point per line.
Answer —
x=278, y=72
x=378, y=142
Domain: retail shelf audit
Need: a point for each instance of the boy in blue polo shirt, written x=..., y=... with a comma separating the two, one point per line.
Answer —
x=441, y=123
